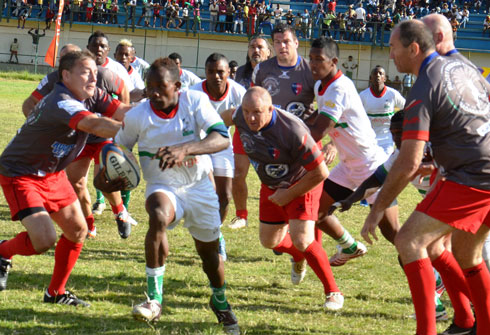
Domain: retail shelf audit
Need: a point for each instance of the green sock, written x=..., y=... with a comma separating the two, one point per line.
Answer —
x=439, y=305
x=219, y=298
x=347, y=243
x=154, y=280
x=126, y=195
x=100, y=196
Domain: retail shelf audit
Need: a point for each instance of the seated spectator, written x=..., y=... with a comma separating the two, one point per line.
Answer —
x=289, y=17
x=465, y=16
x=486, y=24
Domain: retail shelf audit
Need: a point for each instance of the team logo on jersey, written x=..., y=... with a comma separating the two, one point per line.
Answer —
x=248, y=143
x=60, y=150
x=296, y=108
x=274, y=152
x=464, y=88
x=272, y=85
x=71, y=106
x=276, y=171
x=297, y=88
x=284, y=75
x=329, y=104
x=186, y=127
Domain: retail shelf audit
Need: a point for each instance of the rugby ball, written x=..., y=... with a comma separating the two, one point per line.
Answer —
x=120, y=162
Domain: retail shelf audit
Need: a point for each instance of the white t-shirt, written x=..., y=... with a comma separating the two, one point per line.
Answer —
x=120, y=70
x=380, y=110
x=152, y=129
x=140, y=66
x=136, y=78
x=188, y=79
x=360, y=13
x=353, y=136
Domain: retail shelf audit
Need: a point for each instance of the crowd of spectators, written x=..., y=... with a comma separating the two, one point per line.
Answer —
x=363, y=19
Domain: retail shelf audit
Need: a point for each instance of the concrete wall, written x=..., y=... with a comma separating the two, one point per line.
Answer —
x=155, y=43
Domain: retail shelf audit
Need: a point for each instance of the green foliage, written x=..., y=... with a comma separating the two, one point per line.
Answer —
x=110, y=274
x=24, y=75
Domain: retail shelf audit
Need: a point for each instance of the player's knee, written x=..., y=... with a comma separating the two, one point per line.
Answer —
x=301, y=243
x=268, y=242
x=160, y=218
x=44, y=243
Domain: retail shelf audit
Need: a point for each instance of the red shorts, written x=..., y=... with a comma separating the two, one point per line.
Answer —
x=27, y=195
x=462, y=207
x=302, y=208
x=237, y=144
x=92, y=150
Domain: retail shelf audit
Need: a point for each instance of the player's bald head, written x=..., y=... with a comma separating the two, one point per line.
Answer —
x=441, y=30
x=257, y=96
x=69, y=48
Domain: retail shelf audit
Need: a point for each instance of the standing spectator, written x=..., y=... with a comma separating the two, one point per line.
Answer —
x=185, y=17
x=40, y=6
x=342, y=26
x=350, y=65
x=332, y=6
x=157, y=7
x=49, y=18
x=298, y=22
x=222, y=16
x=327, y=22
x=238, y=22
x=455, y=26
x=132, y=11
x=289, y=17
x=314, y=6
x=14, y=49
x=486, y=24
x=477, y=6
x=397, y=83
x=306, y=23
x=252, y=17
x=213, y=13
x=114, y=11
x=277, y=14
x=266, y=22
x=35, y=40
x=230, y=12
x=360, y=15
x=88, y=15
x=196, y=24
x=407, y=84
x=146, y=5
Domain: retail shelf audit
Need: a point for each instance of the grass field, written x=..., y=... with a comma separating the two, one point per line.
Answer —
x=110, y=274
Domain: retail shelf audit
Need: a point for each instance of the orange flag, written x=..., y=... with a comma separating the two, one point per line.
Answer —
x=50, y=57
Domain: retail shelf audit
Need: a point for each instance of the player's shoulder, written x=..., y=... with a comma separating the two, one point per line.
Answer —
x=236, y=87
x=367, y=92
x=197, y=87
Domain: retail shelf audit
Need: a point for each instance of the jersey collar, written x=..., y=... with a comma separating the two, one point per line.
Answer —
x=337, y=76
x=130, y=71
x=163, y=115
x=451, y=52
x=273, y=120
x=205, y=90
x=381, y=94
x=427, y=60
x=289, y=67
x=106, y=62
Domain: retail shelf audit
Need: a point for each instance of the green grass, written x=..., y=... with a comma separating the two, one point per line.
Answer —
x=110, y=274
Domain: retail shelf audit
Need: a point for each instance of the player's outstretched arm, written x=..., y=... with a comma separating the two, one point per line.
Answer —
x=29, y=105
x=121, y=110
x=100, y=126
x=366, y=189
x=310, y=180
x=403, y=171
x=214, y=142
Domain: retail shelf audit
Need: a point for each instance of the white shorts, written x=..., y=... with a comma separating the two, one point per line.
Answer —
x=353, y=176
x=197, y=204
x=223, y=163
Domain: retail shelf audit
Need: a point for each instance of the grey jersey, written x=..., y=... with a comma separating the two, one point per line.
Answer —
x=291, y=87
x=244, y=79
x=48, y=141
x=282, y=152
x=449, y=106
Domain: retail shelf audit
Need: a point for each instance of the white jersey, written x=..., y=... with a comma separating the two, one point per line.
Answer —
x=120, y=70
x=140, y=66
x=136, y=78
x=232, y=97
x=153, y=129
x=353, y=136
x=188, y=79
x=380, y=109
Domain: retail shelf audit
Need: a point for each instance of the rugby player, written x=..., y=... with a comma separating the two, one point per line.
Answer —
x=32, y=176
x=342, y=116
x=187, y=78
x=259, y=50
x=122, y=55
x=175, y=166
x=292, y=168
x=454, y=118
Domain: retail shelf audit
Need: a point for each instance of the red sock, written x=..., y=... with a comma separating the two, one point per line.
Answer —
x=242, y=213
x=422, y=285
x=478, y=280
x=287, y=246
x=19, y=245
x=318, y=261
x=117, y=209
x=90, y=222
x=318, y=235
x=65, y=257
x=455, y=283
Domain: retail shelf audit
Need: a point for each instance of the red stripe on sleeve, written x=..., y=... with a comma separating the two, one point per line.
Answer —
x=310, y=152
x=36, y=94
x=315, y=163
x=109, y=112
x=119, y=88
x=77, y=118
x=421, y=135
